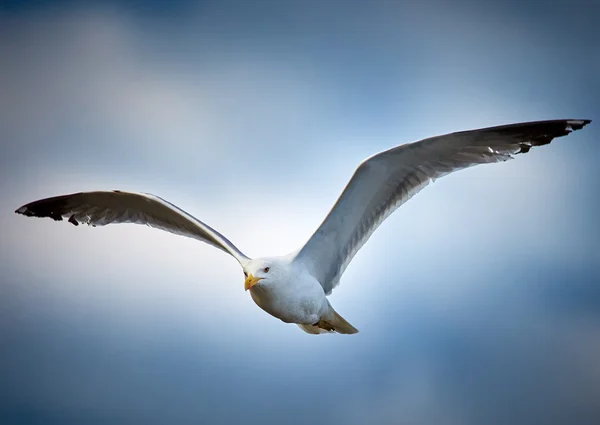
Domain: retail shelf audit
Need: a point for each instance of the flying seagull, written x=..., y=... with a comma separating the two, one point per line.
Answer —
x=294, y=287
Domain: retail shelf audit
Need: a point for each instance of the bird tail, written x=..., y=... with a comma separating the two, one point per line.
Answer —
x=332, y=323
x=340, y=325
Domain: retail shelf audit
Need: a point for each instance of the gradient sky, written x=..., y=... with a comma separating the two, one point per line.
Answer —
x=478, y=302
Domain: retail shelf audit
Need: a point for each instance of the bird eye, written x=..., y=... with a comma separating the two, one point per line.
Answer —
x=266, y=269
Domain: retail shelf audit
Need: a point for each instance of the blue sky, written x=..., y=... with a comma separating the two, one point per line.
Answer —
x=477, y=302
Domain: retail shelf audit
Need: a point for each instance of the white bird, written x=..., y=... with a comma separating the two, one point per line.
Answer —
x=294, y=287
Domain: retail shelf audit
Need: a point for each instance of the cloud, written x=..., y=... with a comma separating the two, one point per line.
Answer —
x=94, y=82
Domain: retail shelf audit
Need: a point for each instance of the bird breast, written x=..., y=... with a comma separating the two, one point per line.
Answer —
x=298, y=301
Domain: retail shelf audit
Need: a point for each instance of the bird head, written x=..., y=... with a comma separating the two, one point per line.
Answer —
x=261, y=270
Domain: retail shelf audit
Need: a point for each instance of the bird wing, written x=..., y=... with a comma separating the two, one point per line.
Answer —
x=106, y=207
x=388, y=179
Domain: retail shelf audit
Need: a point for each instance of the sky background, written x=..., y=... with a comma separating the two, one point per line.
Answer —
x=478, y=302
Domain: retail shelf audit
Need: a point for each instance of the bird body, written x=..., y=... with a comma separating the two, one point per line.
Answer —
x=289, y=292
x=294, y=288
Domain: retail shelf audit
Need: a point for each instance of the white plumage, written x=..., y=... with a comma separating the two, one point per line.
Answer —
x=293, y=287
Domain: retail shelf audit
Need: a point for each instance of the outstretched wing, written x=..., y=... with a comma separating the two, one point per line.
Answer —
x=106, y=207
x=387, y=180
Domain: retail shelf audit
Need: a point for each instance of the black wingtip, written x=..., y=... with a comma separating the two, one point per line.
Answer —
x=578, y=124
x=22, y=210
x=50, y=207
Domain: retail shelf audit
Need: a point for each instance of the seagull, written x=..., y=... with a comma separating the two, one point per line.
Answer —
x=294, y=287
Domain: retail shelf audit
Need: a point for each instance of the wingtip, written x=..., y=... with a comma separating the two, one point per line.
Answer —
x=578, y=124
x=22, y=210
x=39, y=209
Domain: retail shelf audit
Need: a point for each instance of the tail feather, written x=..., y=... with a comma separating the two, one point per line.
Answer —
x=340, y=325
x=332, y=323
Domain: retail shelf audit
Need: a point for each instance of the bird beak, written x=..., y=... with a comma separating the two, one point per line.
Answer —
x=251, y=281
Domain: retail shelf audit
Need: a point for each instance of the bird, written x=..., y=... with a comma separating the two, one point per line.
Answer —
x=294, y=287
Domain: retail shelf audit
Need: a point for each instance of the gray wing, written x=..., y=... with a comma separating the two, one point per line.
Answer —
x=387, y=180
x=106, y=207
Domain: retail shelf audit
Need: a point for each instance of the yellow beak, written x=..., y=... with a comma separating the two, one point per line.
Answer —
x=251, y=281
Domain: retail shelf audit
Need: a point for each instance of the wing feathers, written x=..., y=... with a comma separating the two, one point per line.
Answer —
x=106, y=207
x=385, y=181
